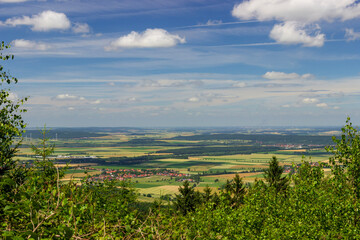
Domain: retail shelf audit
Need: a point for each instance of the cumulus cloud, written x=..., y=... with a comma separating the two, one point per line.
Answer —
x=322, y=105
x=297, y=17
x=47, y=21
x=308, y=11
x=193, y=99
x=42, y=22
x=27, y=44
x=151, y=38
x=68, y=97
x=81, y=28
x=315, y=102
x=296, y=33
x=351, y=35
x=310, y=100
x=286, y=76
x=307, y=76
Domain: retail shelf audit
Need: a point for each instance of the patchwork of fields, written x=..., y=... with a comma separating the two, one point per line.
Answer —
x=93, y=156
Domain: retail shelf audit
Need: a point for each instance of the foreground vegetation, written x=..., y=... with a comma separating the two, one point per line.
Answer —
x=306, y=204
x=35, y=204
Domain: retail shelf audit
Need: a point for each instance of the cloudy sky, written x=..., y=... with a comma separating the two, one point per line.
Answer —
x=185, y=62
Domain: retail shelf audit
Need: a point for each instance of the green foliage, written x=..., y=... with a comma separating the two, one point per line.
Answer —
x=234, y=191
x=11, y=122
x=188, y=199
x=44, y=150
x=273, y=175
x=346, y=160
x=40, y=206
x=46, y=168
x=48, y=209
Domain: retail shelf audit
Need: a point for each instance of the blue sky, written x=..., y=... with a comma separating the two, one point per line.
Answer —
x=187, y=63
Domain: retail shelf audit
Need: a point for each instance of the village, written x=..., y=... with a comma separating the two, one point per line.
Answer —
x=124, y=174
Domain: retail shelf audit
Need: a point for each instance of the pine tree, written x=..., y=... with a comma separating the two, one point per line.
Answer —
x=188, y=199
x=273, y=176
x=238, y=190
x=234, y=191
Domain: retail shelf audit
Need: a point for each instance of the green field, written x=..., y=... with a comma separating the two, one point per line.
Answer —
x=214, y=169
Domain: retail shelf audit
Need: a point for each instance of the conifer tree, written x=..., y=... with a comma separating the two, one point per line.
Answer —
x=238, y=190
x=207, y=194
x=234, y=191
x=273, y=175
x=188, y=199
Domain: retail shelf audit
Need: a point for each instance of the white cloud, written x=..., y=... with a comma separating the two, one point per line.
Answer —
x=27, y=44
x=42, y=22
x=322, y=105
x=170, y=83
x=151, y=38
x=298, y=17
x=71, y=108
x=280, y=75
x=213, y=22
x=351, y=35
x=240, y=85
x=296, y=33
x=310, y=100
x=286, y=106
x=286, y=76
x=306, y=11
x=13, y=96
x=68, y=97
x=307, y=76
x=316, y=102
x=96, y=102
x=81, y=28
x=193, y=99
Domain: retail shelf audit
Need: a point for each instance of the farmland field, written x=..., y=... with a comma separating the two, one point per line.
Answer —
x=204, y=157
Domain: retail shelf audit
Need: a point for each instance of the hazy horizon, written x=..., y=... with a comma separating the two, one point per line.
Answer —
x=185, y=63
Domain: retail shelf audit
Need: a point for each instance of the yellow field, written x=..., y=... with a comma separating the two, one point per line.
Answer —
x=79, y=175
x=76, y=165
x=296, y=150
x=231, y=176
x=161, y=190
x=201, y=189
